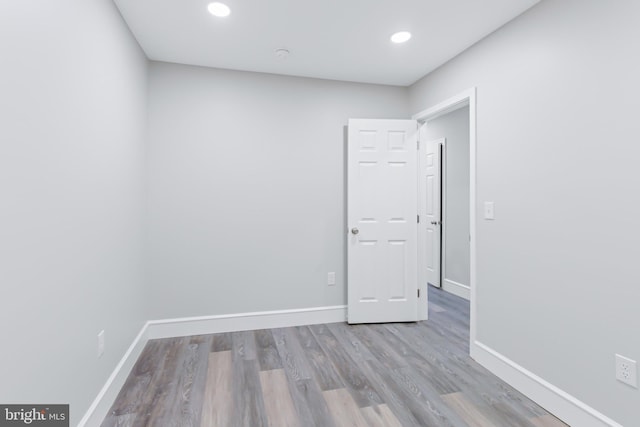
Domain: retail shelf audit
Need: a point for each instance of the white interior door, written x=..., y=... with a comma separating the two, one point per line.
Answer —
x=431, y=185
x=382, y=220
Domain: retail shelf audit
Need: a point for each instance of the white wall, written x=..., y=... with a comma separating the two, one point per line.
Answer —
x=247, y=188
x=558, y=150
x=454, y=127
x=72, y=130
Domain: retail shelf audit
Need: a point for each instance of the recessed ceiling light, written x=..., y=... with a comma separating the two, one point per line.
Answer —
x=401, y=37
x=219, y=9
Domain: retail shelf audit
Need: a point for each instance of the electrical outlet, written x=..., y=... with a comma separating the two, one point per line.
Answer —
x=100, y=344
x=626, y=371
x=331, y=278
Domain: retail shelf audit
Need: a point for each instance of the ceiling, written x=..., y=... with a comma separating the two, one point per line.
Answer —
x=329, y=39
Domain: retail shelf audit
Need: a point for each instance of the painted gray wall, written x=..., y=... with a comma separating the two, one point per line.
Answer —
x=558, y=151
x=247, y=188
x=72, y=112
x=454, y=127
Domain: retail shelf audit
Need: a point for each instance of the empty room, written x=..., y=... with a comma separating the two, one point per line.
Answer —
x=336, y=213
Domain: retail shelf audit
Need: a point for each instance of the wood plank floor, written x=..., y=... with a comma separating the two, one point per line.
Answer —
x=401, y=374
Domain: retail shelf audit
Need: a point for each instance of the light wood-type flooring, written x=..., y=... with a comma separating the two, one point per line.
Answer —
x=401, y=374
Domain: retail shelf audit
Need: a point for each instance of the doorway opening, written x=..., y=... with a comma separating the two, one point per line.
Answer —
x=447, y=194
x=449, y=220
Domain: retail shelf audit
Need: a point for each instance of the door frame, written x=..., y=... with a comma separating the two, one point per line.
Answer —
x=463, y=99
x=443, y=209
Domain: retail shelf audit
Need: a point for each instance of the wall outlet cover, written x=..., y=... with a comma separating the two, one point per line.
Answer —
x=626, y=371
x=100, y=344
x=331, y=278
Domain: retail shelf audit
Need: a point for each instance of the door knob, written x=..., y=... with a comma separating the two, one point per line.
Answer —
x=354, y=231
x=435, y=222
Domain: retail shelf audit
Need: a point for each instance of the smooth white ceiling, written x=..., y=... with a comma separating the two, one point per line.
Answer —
x=330, y=39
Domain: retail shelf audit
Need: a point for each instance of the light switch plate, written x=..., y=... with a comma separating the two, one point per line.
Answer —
x=488, y=210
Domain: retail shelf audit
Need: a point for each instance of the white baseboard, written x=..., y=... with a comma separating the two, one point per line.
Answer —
x=102, y=403
x=198, y=326
x=566, y=407
x=560, y=403
x=186, y=326
x=456, y=288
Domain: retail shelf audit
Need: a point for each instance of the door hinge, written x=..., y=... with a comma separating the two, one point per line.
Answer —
x=418, y=219
x=418, y=293
x=417, y=144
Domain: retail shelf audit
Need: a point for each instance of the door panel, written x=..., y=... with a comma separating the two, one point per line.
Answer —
x=432, y=210
x=382, y=208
